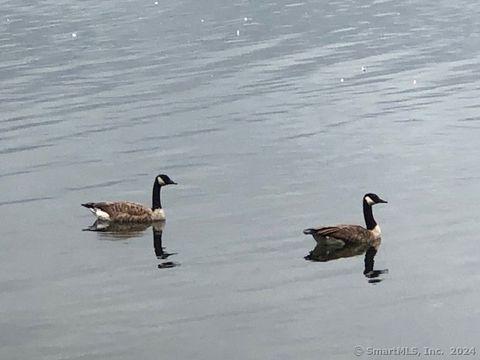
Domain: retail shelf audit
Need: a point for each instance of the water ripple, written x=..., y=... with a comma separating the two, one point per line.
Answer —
x=25, y=201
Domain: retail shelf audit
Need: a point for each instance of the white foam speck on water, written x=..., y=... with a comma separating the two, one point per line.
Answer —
x=238, y=32
x=342, y=80
x=74, y=35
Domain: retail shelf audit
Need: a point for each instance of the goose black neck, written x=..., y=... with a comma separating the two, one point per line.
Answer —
x=368, y=214
x=156, y=203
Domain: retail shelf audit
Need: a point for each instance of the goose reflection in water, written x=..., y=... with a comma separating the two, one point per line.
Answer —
x=158, y=246
x=328, y=252
x=122, y=231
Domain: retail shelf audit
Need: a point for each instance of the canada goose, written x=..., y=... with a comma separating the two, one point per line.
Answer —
x=351, y=233
x=130, y=212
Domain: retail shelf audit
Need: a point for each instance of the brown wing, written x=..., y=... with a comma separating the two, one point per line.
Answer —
x=125, y=211
x=347, y=233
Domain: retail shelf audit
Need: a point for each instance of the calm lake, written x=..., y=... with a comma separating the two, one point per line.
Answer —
x=272, y=117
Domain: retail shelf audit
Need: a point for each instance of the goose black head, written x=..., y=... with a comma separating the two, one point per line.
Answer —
x=372, y=199
x=165, y=180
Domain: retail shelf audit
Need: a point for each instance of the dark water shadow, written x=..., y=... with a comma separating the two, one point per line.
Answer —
x=118, y=231
x=160, y=252
x=328, y=252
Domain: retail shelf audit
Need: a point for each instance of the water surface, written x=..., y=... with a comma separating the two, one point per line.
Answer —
x=264, y=115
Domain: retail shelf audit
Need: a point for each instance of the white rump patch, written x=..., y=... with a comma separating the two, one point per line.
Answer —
x=369, y=200
x=101, y=215
x=160, y=181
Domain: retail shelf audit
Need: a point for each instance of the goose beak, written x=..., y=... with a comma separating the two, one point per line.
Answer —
x=381, y=201
x=173, y=183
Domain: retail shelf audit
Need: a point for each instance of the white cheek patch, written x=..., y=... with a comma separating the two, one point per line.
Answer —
x=369, y=200
x=102, y=215
x=160, y=181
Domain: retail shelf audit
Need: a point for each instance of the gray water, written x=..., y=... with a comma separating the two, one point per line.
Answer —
x=262, y=113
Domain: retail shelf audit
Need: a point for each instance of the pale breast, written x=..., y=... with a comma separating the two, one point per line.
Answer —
x=158, y=214
x=376, y=232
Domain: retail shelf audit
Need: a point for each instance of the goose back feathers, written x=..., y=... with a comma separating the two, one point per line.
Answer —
x=131, y=212
x=124, y=211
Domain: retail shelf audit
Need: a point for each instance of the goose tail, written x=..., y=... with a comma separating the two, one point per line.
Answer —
x=89, y=205
x=309, y=231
